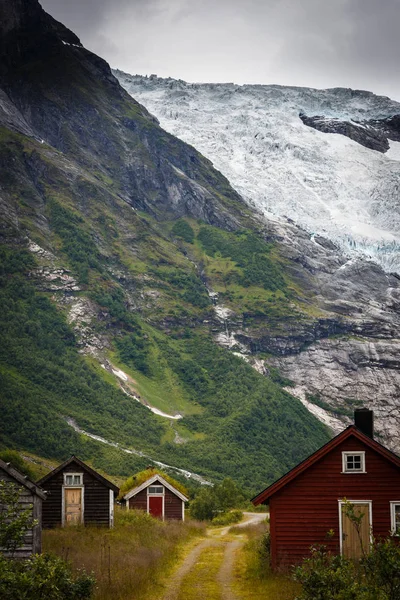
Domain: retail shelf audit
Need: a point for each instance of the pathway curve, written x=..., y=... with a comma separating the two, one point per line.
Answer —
x=209, y=565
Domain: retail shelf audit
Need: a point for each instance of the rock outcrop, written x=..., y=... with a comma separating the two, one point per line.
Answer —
x=374, y=134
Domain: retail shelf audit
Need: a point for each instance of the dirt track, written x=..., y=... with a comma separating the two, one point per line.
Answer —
x=218, y=572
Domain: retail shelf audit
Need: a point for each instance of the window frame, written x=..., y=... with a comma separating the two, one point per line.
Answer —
x=360, y=453
x=156, y=493
x=80, y=484
x=393, y=504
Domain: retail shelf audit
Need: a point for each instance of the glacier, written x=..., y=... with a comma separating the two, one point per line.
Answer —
x=325, y=183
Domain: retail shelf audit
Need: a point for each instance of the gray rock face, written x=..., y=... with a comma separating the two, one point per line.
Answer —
x=346, y=357
x=54, y=90
x=346, y=373
x=374, y=134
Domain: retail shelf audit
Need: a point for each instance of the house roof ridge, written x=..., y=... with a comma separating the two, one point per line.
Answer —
x=148, y=482
x=23, y=479
x=90, y=470
x=318, y=455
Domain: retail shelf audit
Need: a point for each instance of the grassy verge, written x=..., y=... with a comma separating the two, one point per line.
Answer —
x=253, y=580
x=128, y=561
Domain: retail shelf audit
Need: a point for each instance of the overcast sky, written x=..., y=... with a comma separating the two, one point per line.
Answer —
x=316, y=43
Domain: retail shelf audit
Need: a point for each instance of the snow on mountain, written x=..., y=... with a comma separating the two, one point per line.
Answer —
x=326, y=183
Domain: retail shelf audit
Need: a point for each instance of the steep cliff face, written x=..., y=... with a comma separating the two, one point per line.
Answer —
x=339, y=348
x=341, y=352
x=66, y=97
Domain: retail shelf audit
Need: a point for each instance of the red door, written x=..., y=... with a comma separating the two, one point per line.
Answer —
x=156, y=506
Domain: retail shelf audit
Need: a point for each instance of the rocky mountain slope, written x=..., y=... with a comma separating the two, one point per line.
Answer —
x=325, y=159
x=275, y=145
x=122, y=253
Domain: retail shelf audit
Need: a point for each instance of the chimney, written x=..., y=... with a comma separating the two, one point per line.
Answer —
x=364, y=421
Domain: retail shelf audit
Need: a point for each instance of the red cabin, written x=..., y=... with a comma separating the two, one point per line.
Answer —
x=308, y=504
x=158, y=498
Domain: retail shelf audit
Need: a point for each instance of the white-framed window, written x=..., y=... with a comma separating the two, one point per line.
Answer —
x=353, y=462
x=72, y=479
x=155, y=490
x=395, y=517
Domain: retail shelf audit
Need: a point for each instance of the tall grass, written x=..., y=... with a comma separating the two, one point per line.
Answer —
x=253, y=578
x=128, y=561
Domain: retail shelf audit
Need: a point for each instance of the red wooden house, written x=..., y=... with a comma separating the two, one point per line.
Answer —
x=158, y=498
x=308, y=504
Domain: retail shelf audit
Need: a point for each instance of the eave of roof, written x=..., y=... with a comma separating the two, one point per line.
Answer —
x=84, y=466
x=311, y=460
x=150, y=481
x=22, y=479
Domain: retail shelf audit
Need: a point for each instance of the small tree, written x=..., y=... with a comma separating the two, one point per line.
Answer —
x=211, y=501
x=15, y=519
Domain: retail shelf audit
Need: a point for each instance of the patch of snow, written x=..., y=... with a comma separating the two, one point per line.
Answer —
x=73, y=45
x=160, y=413
x=222, y=312
x=124, y=377
x=120, y=374
x=243, y=356
x=188, y=474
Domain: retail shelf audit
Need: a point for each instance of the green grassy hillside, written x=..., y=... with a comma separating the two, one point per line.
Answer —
x=113, y=234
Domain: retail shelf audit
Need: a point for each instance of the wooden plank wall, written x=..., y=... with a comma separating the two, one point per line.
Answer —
x=96, y=499
x=173, y=506
x=139, y=502
x=304, y=511
x=33, y=539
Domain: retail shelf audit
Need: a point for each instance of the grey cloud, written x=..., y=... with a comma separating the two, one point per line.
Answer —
x=320, y=43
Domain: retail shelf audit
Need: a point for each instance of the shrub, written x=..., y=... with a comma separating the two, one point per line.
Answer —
x=183, y=230
x=382, y=568
x=213, y=500
x=228, y=518
x=204, y=507
x=325, y=576
x=43, y=576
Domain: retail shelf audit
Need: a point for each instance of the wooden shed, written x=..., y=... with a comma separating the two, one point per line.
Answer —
x=31, y=496
x=77, y=494
x=158, y=498
x=310, y=500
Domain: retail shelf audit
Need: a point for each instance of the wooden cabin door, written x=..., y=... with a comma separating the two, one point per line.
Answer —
x=356, y=540
x=156, y=506
x=73, y=505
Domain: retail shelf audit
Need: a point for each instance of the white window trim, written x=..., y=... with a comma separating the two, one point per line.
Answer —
x=156, y=496
x=72, y=487
x=73, y=475
x=183, y=510
x=393, y=503
x=111, y=509
x=341, y=502
x=157, y=493
x=353, y=453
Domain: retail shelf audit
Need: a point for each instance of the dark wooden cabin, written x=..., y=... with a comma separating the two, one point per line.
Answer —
x=158, y=498
x=77, y=494
x=31, y=496
x=309, y=501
